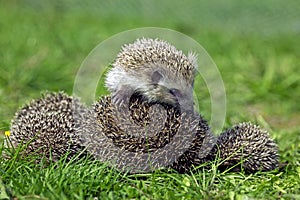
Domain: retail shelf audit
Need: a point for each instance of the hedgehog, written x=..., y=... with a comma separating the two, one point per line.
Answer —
x=127, y=138
x=246, y=146
x=47, y=126
x=147, y=122
x=176, y=139
x=148, y=136
x=154, y=68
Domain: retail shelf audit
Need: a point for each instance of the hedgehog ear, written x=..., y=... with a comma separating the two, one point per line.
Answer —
x=156, y=77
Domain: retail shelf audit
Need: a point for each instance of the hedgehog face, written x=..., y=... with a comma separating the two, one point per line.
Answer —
x=163, y=88
x=155, y=69
x=155, y=82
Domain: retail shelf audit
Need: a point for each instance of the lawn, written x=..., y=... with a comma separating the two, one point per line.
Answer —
x=255, y=46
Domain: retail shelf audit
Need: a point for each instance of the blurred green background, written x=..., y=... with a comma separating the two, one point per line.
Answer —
x=255, y=45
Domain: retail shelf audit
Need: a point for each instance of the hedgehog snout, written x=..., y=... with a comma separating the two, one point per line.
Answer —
x=184, y=99
x=172, y=96
x=166, y=95
x=157, y=93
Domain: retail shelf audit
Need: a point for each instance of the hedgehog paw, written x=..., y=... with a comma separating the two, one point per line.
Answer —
x=120, y=98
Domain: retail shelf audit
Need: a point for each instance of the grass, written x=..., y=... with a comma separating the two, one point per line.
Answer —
x=255, y=46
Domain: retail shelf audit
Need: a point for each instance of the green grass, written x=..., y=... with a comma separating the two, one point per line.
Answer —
x=255, y=46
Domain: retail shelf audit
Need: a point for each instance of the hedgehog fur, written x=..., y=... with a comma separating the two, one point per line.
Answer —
x=47, y=126
x=146, y=51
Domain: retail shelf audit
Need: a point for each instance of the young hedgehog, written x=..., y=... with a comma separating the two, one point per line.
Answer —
x=156, y=69
x=148, y=75
x=248, y=145
x=57, y=124
x=47, y=126
x=244, y=146
x=126, y=139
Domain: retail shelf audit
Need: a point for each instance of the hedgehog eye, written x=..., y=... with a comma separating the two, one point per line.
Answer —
x=175, y=92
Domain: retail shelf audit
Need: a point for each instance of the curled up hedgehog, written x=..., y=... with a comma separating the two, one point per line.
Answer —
x=47, y=126
x=147, y=123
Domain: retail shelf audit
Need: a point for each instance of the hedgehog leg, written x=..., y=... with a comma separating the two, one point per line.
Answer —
x=246, y=147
